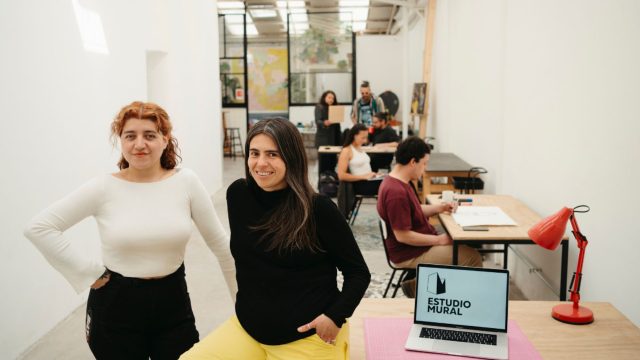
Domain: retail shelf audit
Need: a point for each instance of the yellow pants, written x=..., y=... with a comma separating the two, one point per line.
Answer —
x=230, y=342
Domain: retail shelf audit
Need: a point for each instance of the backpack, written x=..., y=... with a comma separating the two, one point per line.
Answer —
x=328, y=183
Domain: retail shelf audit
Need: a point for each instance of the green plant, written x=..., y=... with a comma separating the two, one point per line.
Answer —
x=224, y=67
x=317, y=47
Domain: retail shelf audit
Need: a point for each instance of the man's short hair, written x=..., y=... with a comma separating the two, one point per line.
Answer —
x=382, y=116
x=411, y=148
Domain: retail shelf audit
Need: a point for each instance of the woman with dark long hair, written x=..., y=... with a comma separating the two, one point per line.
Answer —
x=138, y=306
x=354, y=165
x=287, y=242
x=326, y=133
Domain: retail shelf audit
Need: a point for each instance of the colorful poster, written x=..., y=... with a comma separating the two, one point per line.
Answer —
x=267, y=79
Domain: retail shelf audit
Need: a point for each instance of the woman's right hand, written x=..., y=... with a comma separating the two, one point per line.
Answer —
x=327, y=123
x=102, y=280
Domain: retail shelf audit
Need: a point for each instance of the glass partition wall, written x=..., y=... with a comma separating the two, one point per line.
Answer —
x=273, y=58
x=233, y=59
x=321, y=57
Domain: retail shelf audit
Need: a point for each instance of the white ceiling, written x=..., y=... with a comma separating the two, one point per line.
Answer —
x=267, y=18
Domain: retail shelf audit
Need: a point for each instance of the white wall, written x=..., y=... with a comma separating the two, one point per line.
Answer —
x=57, y=101
x=467, y=83
x=416, y=52
x=379, y=60
x=544, y=94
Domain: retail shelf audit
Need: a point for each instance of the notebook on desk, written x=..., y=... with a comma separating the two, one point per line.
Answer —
x=460, y=311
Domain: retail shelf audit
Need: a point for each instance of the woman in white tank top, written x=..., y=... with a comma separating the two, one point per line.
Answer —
x=354, y=165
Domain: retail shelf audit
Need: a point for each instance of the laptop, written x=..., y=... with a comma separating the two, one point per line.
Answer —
x=461, y=311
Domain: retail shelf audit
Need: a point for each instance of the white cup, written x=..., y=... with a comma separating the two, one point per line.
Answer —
x=447, y=196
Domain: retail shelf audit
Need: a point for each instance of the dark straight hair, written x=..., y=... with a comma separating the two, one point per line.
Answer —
x=291, y=225
x=355, y=129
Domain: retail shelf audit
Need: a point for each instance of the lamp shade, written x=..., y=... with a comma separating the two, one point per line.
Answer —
x=549, y=231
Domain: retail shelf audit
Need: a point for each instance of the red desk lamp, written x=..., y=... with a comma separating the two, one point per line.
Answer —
x=548, y=233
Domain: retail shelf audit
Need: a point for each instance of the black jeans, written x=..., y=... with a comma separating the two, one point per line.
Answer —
x=366, y=187
x=132, y=318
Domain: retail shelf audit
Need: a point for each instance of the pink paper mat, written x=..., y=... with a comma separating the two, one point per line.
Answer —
x=384, y=339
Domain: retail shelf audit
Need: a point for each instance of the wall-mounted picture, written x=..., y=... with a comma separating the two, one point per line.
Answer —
x=419, y=99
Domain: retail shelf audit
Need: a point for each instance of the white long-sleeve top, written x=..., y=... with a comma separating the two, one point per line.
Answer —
x=144, y=228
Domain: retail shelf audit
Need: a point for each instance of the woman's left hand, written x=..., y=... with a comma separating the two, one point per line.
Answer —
x=325, y=328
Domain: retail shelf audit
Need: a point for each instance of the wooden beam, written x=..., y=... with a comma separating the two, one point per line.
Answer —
x=426, y=69
x=393, y=15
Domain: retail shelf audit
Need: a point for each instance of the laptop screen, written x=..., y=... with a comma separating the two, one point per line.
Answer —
x=462, y=297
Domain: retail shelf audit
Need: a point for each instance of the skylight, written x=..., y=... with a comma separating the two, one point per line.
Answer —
x=91, y=30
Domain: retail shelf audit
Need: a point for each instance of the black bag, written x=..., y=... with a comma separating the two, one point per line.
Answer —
x=328, y=183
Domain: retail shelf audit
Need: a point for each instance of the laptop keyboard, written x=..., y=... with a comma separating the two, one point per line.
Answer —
x=460, y=336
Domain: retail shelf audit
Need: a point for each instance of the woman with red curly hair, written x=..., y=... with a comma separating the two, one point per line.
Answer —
x=138, y=306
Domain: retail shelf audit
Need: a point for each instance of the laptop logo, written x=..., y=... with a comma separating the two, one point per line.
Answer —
x=440, y=305
x=435, y=284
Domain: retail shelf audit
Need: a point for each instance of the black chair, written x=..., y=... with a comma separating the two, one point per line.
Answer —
x=351, y=217
x=403, y=271
x=470, y=183
x=428, y=140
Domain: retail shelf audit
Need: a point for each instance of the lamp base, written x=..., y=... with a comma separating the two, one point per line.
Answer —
x=571, y=315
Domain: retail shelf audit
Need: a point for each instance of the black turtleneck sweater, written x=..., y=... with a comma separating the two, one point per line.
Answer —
x=278, y=292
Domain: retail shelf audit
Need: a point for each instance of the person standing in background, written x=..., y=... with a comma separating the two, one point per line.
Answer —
x=327, y=134
x=366, y=106
x=138, y=306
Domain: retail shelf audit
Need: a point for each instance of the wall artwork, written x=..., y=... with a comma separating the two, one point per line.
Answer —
x=419, y=99
x=268, y=80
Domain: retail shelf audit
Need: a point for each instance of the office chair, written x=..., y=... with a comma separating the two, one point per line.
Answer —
x=428, y=140
x=351, y=217
x=403, y=271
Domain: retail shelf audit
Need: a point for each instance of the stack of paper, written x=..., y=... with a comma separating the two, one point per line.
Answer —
x=481, y=215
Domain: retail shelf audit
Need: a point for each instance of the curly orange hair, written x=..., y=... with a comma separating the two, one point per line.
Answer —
x=148, y=111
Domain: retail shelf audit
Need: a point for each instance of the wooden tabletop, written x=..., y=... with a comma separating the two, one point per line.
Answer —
x=524, y=217
x=610, y=336
x=446, y=162
x=367, y=149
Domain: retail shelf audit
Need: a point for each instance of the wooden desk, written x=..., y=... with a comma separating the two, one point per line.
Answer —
x=610, y=336
x=524, y=217
x=367, y=149
x=442, y=165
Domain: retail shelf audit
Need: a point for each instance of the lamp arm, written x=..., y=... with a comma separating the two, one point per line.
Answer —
x=577, y=276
